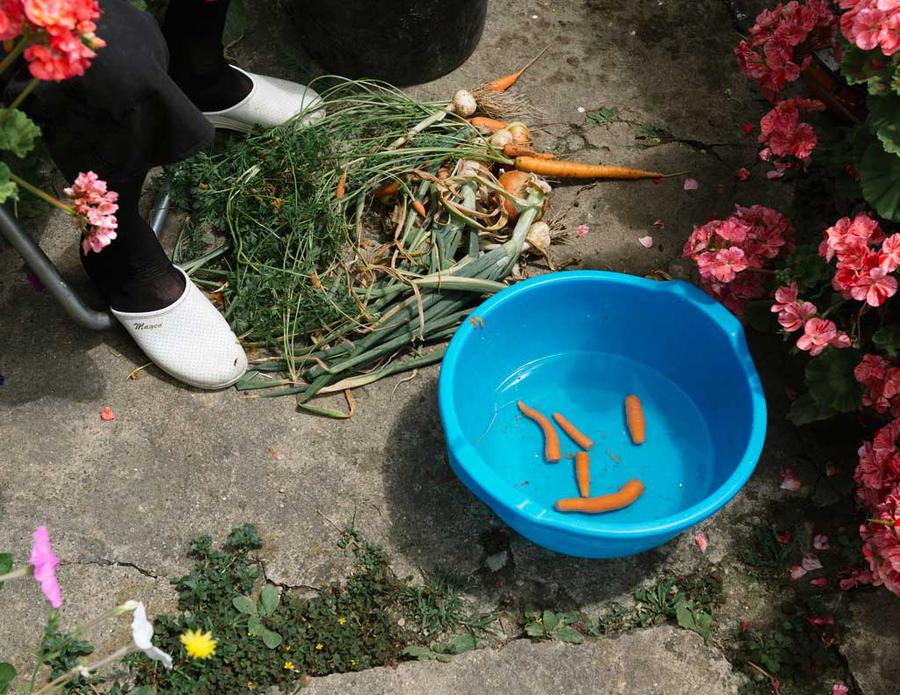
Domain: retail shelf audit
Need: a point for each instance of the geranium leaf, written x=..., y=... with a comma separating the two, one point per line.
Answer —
x=8, y=188
x=884, y=120
x=18, y=133
x=831, y=382
x=887, y=339
x=879, y=178
x=806, y=409
x=7, y=674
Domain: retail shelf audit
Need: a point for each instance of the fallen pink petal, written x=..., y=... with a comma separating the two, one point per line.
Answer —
x=743, y=174
x=747, y=128
x=691, y=184
x=581, y=230
x=797, y=572
x=702, y=541
x=821, y=542
x=646, y=241
x=810, y=562
x=839, y=689
x=821, y=582
x=661, y=224
x=106, y=414
x=44, y=561
x=789, y=480
x=784, y=537
x=821, y=620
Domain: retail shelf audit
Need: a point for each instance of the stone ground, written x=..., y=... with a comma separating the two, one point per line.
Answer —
x=123, y=498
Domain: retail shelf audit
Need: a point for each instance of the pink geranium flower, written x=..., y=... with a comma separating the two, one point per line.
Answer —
x=839, y=689
x=44, y=562
x=874, y=288
x=889, y=257
x=95, y=207
x=821, y=542
x=789, y=480
x=797, y=572
x=819, y=334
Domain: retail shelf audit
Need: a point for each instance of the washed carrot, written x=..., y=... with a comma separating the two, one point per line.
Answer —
x=501, y=84
x=634, y=415
x=513, y=150
x=626, y=495
x=387, y=189
x=582, y=170
x=583, y=473
x=551, y=439
x=574, y=433
x=490, y=125
x=418, y=207
x=342, y=185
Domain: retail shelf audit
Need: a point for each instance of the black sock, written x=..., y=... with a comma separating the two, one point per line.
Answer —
x=133, y=272
x=193, y=30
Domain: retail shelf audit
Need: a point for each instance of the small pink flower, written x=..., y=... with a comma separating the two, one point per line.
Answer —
x=747, y=128
x=789, y=480
x=646, y=241
x=691, y=184
x=821, y=620
x=95, y=208
x=839, y=689
x=702, y=541
x=793, y=317
x=724, y=264
x=797, y=572
x=743, y=174
x=821, y=542
x=874, y=287
x=581, y=230
x=817, y=335
x=784, y=537
x=810, y=562
x=106, y=414
x=821, y=582
x=44, y=562
x=889, y=257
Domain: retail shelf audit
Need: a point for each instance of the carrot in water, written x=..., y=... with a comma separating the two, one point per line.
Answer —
x=551, y=439
x=342, y=184
x=634, y=415
x=501, y=84
x=513, y=151
x=574, y=433
x=418, y=207
x=626, y=495
x=490, y=125
x=583, y=473
x=582, y=170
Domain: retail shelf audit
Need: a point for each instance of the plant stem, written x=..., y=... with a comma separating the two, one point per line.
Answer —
x=19, y=99
x=15, y=574
x=60, y=680
x=46, y=197
x=12, y=55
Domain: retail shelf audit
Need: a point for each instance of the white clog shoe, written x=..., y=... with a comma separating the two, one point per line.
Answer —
x=189, y=339
x=270, y=102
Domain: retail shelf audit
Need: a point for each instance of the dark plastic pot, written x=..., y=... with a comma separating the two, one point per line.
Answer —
x=401, y=41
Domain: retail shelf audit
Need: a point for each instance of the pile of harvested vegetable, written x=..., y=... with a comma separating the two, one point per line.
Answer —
x=341, y=249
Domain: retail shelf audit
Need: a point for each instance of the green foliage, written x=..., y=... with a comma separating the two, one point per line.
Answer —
x=438, y=651
x=691, y=617
x=764, y=554
x=884, y=121
x=807, y=268
x=549, y=625
x=830, y=379
x=8, y=189
x=256, y=612
x=887, y=339
x=7, y=674
x=648, y=133
x=61, y=652
x=603, y=116
x=6, y=564
x=879, y=178
x=18, y=133
x=235, y=22
x=869, y=68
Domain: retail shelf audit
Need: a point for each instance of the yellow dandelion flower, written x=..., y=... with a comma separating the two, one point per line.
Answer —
x=198, y=644
x=342, y=620
x=319, y=646
x=288, y=666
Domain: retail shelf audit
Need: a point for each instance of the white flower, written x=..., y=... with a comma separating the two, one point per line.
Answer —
x=142, y=634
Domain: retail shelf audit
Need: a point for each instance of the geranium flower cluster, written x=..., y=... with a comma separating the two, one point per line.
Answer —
x=60, y=34
x=881, y=380
x=787, y=141
x=779, y=46
x=95, y=208
x=866, y=260
x=871, y=24
x=794, y=314
x=878, y=477
x=729, y=251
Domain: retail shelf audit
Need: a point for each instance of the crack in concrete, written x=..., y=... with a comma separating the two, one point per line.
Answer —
x=103, y=562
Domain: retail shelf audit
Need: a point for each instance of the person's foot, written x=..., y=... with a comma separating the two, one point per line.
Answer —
x=222, y=90
x=270, y=102
x=156, y=291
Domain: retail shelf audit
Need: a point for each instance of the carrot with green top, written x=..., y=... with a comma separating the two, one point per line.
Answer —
x=626, y=496
x=574, y=433
x=552, y=452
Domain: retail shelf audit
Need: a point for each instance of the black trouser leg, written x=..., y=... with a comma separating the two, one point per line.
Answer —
x=193, y=31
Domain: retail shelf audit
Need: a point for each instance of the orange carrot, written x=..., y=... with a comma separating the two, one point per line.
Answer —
x=574, y=433
x=626, y=495
x=512, y=151
x=489, y=125
x=501, y=84
x=387, y=189
x=419, y=208
x=582, y=170
x=342, y=184
x=634, y=415
x=551, y=439
x=583, y=473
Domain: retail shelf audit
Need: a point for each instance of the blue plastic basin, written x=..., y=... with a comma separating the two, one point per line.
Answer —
x=577, y=343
